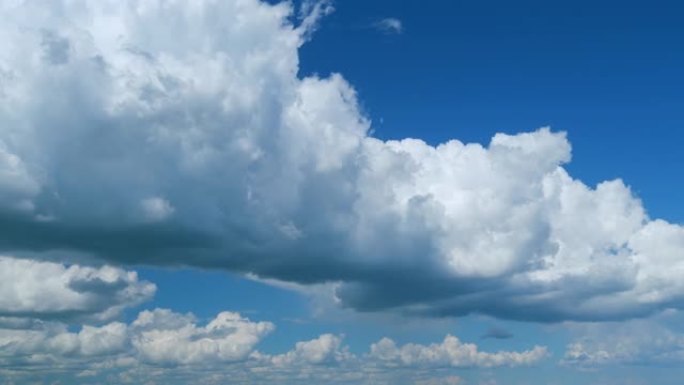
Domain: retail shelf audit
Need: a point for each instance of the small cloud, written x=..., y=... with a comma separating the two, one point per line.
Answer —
x=497, y=333
x=389, y=26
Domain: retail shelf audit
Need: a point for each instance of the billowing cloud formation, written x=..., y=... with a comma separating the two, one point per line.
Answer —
x=167, y=338
x=53, y=344
x=159, y=338
x=164, y=132
x=325, y=349
x=450, y=353
x=162, y=345
x=48, y=290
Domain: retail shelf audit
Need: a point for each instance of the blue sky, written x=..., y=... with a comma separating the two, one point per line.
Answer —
x=225, y=192
x=608, y=73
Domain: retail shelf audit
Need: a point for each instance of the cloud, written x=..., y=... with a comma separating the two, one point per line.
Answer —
x=325, y=349
x=166, y=338
x=310, y=14
x=54, y=344
x=172, y=133
x=163, y=346
x=450, y=353
x=642, y=342
x=389, y=25
x=49, y=291
x=158, y=337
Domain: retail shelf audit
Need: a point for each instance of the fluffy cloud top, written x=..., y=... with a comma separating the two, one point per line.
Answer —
x=53, y=344
x=450, y=353
x=160, y=345
x=165, y=132
x=48, y=290
x=157, y=337
x=164, y=337
x=325, y=349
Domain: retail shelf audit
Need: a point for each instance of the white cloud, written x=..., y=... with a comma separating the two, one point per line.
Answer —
x=192, y=116
x=326, y=349
x=53, y=344
x=49, y=290
x=389, y=25
x=163, y=346
x=450, y=353
x=636, y=342
x=163, y=337
x=310, y=13
x=157, y=337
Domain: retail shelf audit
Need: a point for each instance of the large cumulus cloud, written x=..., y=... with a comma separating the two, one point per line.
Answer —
x=173, y=133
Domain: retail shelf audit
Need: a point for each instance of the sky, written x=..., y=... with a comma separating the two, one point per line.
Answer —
x=341, y=192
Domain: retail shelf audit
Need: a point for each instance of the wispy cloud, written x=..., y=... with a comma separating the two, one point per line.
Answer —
x=637, y=342
x=389, y=25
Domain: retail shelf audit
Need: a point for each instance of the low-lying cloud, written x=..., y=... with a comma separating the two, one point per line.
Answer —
x=161, y=345
x=450, y=353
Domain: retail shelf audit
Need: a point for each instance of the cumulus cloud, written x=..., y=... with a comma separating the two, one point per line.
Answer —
x=166, y=338
x=163, y=132
x=155, y=338
x=450, y=353
x=46, y=290
x=165, y=346
x=325, y=349
x=54, y=344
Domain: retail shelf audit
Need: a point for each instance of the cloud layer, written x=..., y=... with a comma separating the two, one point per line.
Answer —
x=636, y=342
x=450, y=353
x=172, y=133
x=160, y=345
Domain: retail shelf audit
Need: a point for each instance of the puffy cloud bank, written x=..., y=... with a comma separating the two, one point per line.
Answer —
x=163, y=346
x=155, y=338
x=450, y=353
x=180, y=133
